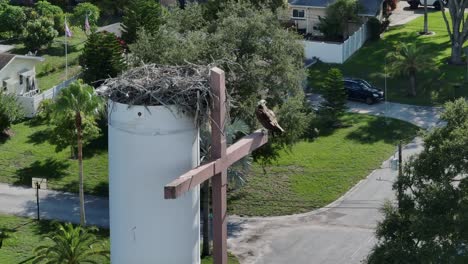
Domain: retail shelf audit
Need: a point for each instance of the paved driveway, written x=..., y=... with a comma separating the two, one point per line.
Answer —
x=403, y=14
x=422, y=116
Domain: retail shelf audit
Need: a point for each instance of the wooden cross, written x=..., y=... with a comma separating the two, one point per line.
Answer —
x=222, y=158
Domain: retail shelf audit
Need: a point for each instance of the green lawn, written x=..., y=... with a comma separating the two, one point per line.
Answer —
x=316, y=173
x=369, y=63
x=52, y=71
x=28, y=154
x=24, y=234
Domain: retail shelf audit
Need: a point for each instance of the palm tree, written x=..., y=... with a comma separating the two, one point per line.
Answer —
x=70, y=245
x=236, y=174
x=409, y=60
x=81, y=99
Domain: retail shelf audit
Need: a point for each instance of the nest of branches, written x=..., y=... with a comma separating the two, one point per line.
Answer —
x=187, y=87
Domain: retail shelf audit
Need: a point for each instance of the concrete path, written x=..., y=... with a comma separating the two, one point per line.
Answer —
x=403, y=14
x=422, y=116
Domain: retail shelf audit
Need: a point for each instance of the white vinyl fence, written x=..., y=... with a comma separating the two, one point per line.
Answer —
x=331, y=52
x=30, y=102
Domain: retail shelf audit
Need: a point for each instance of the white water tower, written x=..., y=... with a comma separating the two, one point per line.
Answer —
x=148, y=148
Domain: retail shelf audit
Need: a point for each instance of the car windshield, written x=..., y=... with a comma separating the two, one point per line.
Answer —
x=366, y=85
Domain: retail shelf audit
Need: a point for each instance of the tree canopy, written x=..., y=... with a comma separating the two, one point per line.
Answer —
x=53, y=12
x=431, y=225
x=12, y=19
x=335, y=25
x=39, y=32
x=101, y=57
x=81, y=10
x=147, y=14
x=261, y=59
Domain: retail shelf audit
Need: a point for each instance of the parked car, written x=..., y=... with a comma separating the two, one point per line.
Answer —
x=414, y=4
x=361, y=90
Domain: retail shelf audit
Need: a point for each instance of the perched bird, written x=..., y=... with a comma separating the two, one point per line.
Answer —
x=267, y=118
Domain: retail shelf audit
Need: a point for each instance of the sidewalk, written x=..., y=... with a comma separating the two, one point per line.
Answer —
x=62, y=206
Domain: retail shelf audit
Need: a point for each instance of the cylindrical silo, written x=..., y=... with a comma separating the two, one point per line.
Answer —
x=149, y=146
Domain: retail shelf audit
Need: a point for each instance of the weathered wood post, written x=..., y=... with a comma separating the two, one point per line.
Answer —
x=150, y=146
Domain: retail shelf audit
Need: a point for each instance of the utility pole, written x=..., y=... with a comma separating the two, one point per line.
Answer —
x=400, y=173
x=37, y=201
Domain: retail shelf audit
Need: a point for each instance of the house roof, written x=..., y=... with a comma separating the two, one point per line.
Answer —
x=369, y=7
x=5, y=58
x=115, y=28
x=5, y=48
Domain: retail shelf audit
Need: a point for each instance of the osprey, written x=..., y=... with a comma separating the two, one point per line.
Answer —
x=267, y=118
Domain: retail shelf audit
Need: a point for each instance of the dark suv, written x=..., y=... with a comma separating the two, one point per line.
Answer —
x=360, y=90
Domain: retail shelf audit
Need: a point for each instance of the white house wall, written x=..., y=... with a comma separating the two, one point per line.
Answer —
x=310, y=20
x=13, y=69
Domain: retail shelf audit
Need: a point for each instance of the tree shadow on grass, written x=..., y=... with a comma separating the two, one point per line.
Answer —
x=49, y=169
x=389, y=130
x=98, y=145
x=39, y=137
x=4, y=138
x=101, y=189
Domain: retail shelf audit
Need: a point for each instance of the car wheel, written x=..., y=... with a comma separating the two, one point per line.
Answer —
x=414, y=5
x=437, y=5
x=369, y=101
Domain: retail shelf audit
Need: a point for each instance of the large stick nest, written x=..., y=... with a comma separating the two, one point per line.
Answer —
x=187, y=87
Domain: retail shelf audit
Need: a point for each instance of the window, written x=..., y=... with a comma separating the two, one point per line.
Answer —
x=4, y=86
x=21, y=79
x=298, y=13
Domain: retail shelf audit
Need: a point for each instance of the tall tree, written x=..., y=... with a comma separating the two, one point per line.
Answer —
x=334, y=95
x=431, y=224
x=102, y=58
x=338, y=16
x=53, y=12
x=261, y=60
x=39, y=33
x=12, y=20
x=81, y=99
x=147, y=14
x=457, y=27
x=71, y=245
x=409, y=60
x=86, y=9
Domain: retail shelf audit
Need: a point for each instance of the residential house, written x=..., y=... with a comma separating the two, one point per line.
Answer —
x=305, y=13
x=18, y=74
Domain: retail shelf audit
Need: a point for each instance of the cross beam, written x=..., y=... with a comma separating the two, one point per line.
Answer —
x=223, y=157
x=234, y=153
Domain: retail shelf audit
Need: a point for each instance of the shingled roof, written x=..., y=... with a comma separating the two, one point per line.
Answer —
x=369, y=7
x=5, y=58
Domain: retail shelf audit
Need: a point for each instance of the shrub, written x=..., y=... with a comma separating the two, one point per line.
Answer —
x=10, y=111
x=375, y=28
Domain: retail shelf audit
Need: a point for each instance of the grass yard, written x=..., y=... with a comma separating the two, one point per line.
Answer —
x=52, y=71
x=24, y=234
x=29, y=154
x=316, y=173
x=369, y=63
